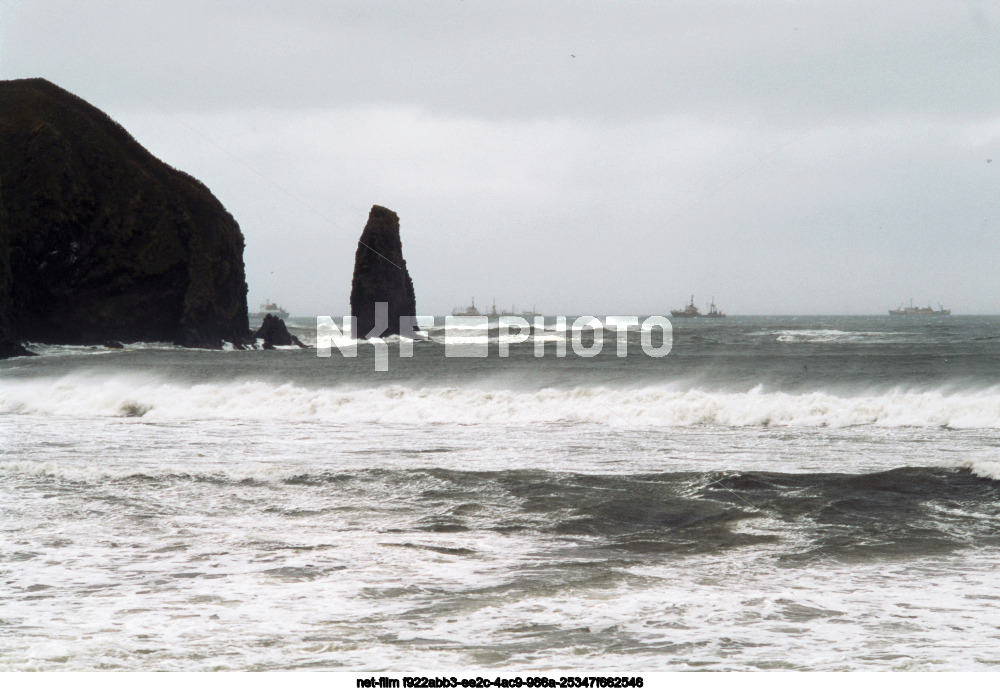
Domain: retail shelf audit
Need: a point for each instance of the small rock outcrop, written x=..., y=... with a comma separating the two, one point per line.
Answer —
x=100, y=241
x=380, y=276
x=12, y=349
x=274, y=333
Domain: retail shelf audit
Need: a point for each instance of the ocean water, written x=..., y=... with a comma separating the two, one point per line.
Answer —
x=803, y=493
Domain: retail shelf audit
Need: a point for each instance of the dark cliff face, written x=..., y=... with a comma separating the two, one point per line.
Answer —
x=380, y=276
x=100, y=240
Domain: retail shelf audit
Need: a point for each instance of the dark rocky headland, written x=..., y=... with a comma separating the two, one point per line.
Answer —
x=11, y=349
x=380, y=276
x=101, y=241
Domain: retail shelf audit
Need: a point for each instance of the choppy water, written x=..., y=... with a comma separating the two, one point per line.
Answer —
x=777, y=493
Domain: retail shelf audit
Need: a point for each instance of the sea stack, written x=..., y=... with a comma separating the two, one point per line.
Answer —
x=101, y=241
x=380, y=276
x=274, y=332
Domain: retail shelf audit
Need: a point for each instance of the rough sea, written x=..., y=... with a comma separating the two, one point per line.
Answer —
x=791, y=493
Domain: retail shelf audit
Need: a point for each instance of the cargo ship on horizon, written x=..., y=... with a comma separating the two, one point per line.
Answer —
x=911, y=311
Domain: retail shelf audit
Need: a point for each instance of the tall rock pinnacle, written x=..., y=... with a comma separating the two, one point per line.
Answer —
x=380, y=276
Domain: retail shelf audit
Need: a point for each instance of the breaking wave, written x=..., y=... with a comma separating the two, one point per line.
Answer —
x=80, y=395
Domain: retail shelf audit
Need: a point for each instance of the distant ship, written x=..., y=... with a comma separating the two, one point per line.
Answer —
x=714, y=311
x=501, y=312
x=269, y=308
x=912, y=311
x=691, y=310
x=470, y=311
x=473, y=311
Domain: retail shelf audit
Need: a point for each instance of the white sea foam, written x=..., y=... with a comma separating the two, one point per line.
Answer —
x=81, y=395
x=835, y=336
x=980, y=467
x=102, y=471
x=56, y=350
x=343, y=341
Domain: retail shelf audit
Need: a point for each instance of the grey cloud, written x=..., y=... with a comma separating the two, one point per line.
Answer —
x=783, y=156
x=515, y=59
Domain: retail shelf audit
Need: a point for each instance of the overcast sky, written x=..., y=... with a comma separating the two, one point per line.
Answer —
x=580, y=157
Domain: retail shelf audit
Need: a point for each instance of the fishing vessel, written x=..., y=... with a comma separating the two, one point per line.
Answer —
x=690, y=310
x=513, y=312
x=714, y=311
x=910, y=311
x=468, y=311
x=269, y=308
x=473, y=311
x=494, y=312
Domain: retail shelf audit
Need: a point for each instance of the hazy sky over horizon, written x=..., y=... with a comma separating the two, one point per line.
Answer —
x=581, y=157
